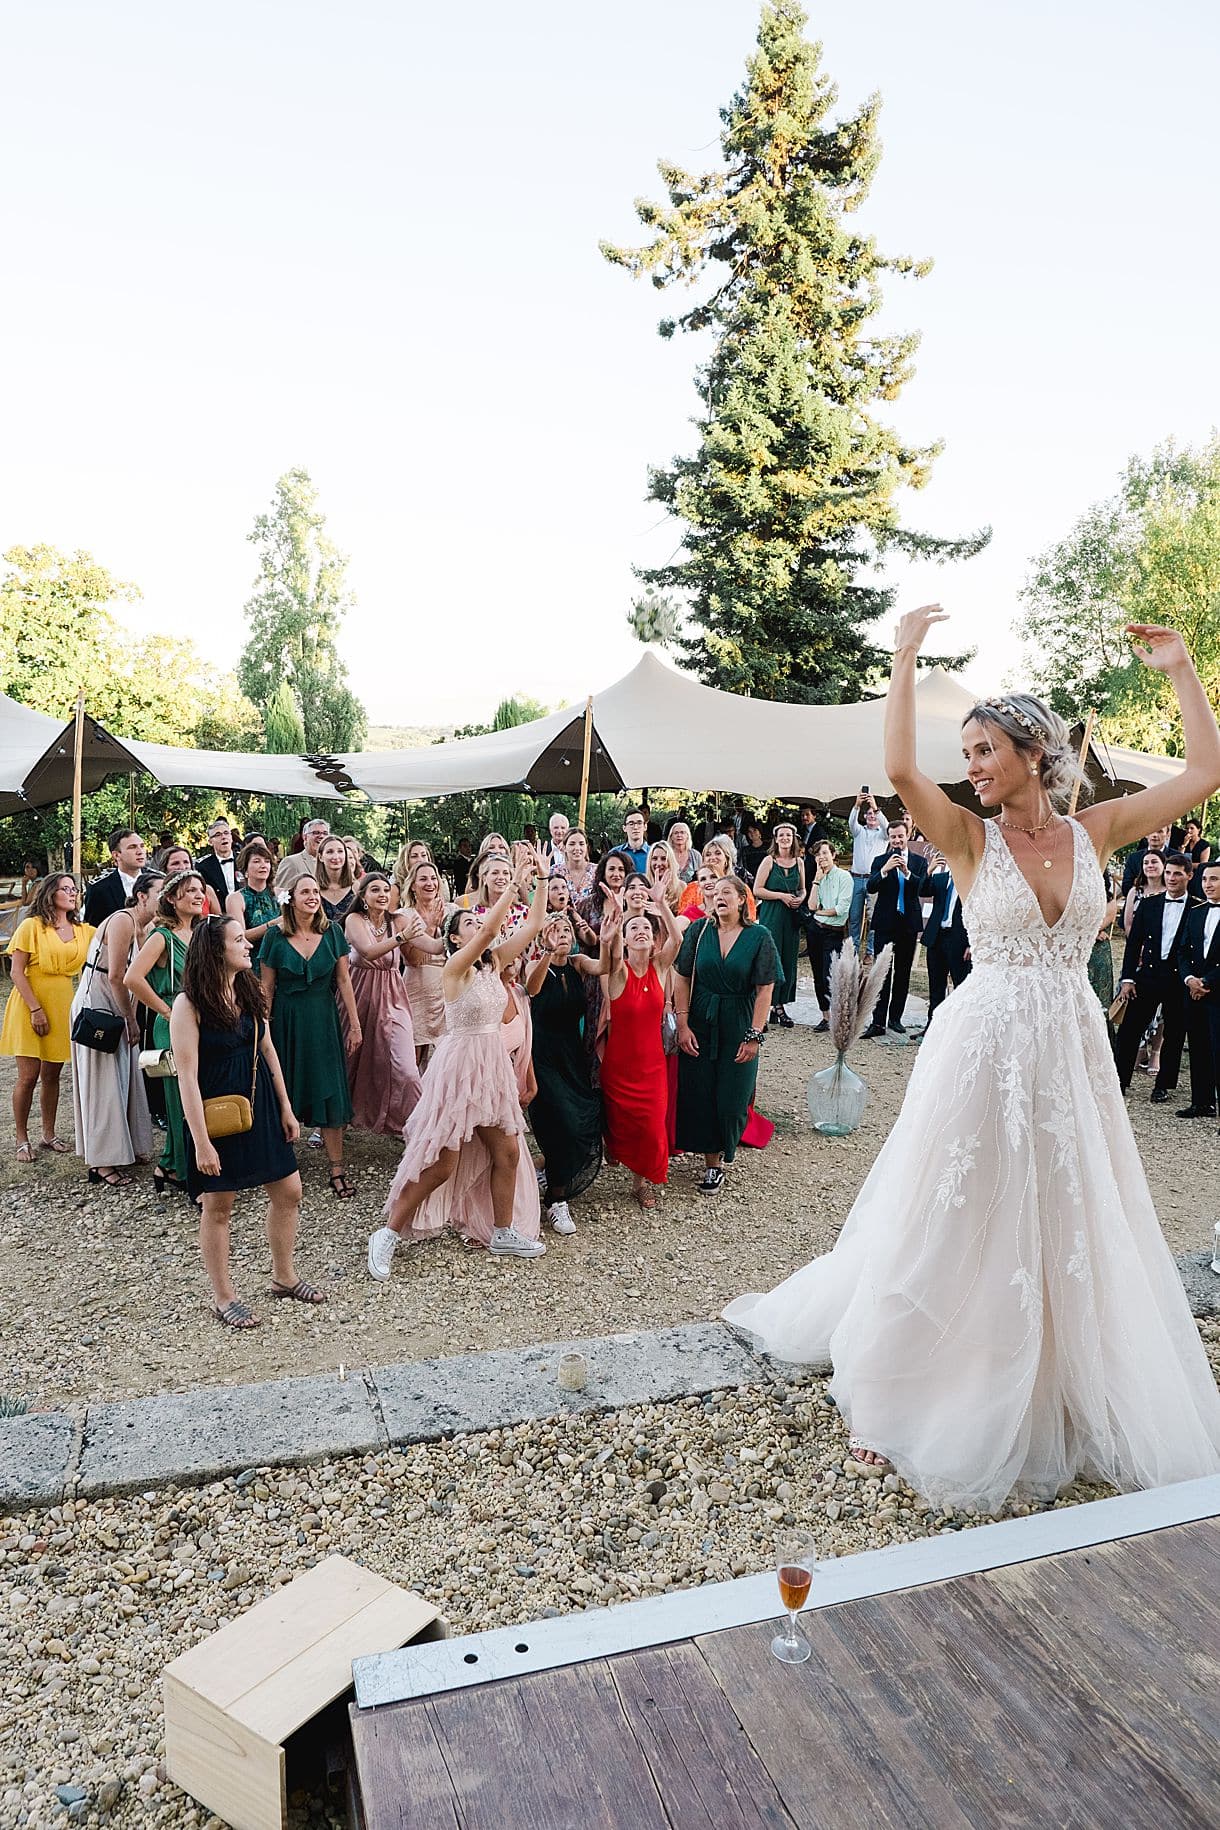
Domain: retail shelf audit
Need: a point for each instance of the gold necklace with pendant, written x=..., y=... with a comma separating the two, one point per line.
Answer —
x=1027, y=832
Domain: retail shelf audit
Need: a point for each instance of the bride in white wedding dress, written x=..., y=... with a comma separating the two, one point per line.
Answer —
x=1001, y=1309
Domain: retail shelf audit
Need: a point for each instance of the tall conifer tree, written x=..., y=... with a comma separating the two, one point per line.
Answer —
x=294, y=620
x=792, y=493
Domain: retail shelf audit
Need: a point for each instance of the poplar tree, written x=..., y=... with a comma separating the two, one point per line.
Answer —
x=295, y=617
x=792, y=494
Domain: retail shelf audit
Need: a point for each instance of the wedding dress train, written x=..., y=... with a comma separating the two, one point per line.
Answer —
x=1001, y=1309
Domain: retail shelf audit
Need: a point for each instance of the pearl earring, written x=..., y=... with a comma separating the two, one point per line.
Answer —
x=1033, y=768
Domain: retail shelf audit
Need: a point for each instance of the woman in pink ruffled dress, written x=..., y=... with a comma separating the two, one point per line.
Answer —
x=381, y=1071
x=464, y=1202
x=471, y=1088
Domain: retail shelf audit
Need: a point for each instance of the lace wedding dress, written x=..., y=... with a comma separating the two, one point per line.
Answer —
x=1001, y=1309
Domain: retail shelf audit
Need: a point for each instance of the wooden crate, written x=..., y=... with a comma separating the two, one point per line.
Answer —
x=232, y=1701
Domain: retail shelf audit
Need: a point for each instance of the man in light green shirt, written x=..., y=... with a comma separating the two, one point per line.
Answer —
x=829, y=905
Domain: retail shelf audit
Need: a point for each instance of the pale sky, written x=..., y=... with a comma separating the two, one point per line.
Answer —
x=362, y=238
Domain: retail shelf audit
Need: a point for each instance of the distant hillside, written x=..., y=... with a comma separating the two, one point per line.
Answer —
x=405, y=736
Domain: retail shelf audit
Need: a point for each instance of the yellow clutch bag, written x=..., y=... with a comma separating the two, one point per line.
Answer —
x=229, y=1114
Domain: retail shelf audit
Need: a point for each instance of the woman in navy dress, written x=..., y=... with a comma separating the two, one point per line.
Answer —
x=222, y=1044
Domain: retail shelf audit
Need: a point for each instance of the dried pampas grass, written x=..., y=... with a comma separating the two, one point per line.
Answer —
x=854, y=991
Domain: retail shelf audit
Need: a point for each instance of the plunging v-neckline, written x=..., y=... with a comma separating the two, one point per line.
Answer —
x=1050, y=926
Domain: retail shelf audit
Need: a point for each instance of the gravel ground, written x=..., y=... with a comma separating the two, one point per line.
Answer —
x=103, y=1295
x=497, y=1529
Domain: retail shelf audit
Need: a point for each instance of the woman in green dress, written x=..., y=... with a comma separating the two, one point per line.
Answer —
x=780, y=891
x=724, y=976
x=254, y=903
x=1101, y=959
x=302, y=969
x=154, y=979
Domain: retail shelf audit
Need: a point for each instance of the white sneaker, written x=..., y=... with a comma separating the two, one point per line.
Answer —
x=382, y=1246
x=560, y=1218
x=505, y=1243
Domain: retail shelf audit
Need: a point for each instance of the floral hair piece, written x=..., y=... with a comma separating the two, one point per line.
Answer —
x=1019, y=717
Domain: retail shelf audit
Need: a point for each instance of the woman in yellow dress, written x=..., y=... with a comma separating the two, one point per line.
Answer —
x=48, y=950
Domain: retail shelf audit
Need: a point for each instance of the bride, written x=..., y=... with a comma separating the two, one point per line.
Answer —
x=1001, y=1309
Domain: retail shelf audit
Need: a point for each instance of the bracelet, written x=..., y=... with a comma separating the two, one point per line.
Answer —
x=755, y=1035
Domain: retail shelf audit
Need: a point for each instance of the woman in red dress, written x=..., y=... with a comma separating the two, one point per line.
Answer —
x=635, y=1081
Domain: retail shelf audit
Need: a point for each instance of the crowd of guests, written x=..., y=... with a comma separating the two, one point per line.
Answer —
x=608, y=1003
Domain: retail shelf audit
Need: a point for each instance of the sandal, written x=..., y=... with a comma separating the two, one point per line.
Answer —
x=110, y=1177
x=856, y=1446
x=340, y=1187
x=25, y=1153
x=645, y=1197
x=237, y=1315
x=55, y=1146
x=300, y=1292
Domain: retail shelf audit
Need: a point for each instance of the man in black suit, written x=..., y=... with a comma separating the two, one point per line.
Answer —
x=1199, y=965
x=1150, y=976
x=947, y=946
x=218, y=867
x=128, y=856
x=898, y=880
x=811, y=833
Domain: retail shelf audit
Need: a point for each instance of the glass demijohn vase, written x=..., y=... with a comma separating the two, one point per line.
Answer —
x=837, y=1098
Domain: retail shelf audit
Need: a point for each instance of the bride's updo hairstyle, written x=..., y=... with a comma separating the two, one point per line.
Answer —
x=1031, y=725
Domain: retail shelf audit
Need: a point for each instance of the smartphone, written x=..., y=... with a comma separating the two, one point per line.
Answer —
x=866, y=789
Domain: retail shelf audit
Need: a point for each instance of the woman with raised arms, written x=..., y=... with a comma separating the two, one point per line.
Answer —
x=470, y=1088
x=1001, y=1309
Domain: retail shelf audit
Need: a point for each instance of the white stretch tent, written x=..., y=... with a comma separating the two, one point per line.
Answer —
x=25, y=736
x=659, y=728
x=36, y=759
x=653, y=728
x=251, y=771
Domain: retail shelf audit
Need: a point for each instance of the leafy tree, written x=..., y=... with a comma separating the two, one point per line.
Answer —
x=792, y=493
x=284, y=734
x=1150, y=553
x=512, y=712
x=295, y=618
x=57, y=632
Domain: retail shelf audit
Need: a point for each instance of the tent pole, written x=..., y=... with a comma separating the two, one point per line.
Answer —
x=584, y=772
x=131, y=800
x=78, y=751
x=1085, y=741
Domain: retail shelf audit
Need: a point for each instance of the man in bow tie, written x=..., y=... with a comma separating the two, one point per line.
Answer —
x=1151, y=977
x=1199, y=964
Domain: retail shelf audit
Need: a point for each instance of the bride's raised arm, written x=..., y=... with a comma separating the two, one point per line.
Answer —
x=1116, y=823
x=952, y=829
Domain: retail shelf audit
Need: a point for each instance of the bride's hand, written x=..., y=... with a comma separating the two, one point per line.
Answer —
x=1162, y=649
x=913, y=629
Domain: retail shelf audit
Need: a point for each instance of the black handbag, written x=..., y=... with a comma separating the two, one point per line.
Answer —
x=98, y=1029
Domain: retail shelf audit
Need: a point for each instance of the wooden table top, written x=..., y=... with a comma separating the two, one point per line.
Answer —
x=1080, y=1690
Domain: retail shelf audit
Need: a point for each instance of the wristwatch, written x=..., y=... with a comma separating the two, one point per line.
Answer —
x=755, y=1035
